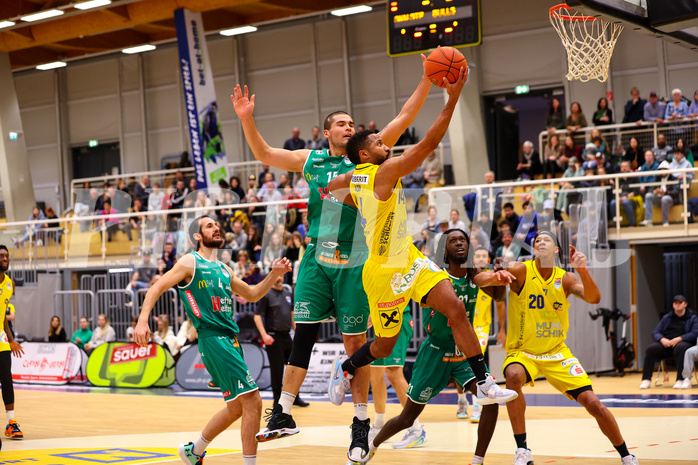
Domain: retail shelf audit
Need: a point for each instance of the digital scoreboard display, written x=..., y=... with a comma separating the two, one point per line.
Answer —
x=419, y=25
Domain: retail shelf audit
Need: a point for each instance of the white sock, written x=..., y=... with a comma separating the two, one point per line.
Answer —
x=380, y=420
x=416, y=425
x=461, y=397
x=477, y=460
x=10, y=415
x=286, y=402
x=249, y=460
x=361, y=411
x=200, y=445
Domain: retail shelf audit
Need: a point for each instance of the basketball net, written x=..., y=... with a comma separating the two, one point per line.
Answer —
x=589, y=42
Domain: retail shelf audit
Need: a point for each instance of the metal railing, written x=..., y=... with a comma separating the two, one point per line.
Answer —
x=70, y=306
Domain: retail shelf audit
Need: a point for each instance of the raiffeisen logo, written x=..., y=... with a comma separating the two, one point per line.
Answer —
x=132, y=352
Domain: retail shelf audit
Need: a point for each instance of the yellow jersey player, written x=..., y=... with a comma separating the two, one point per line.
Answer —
x=537, y=324
x=396, y=271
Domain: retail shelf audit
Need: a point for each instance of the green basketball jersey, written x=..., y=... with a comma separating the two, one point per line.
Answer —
x=208, y=298
x=329, y=219
x=436, y=324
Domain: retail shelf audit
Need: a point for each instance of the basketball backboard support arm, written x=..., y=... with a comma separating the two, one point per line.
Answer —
x=632, y=14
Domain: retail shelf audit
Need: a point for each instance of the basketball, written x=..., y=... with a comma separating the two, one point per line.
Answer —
x=444, y=62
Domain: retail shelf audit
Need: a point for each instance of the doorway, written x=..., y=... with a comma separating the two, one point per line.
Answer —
x=96, y=161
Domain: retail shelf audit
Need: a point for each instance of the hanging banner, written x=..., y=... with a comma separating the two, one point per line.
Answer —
x=118, y=364
x=207, y=147
x=49, y=363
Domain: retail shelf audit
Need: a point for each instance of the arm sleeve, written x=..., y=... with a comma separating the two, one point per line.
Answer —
x=661, y=326
x=692, y=330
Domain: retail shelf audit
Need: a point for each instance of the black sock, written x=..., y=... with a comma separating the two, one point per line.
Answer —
x=361, y=357
x=521, y=441
x=622, y=450
x=477, y=363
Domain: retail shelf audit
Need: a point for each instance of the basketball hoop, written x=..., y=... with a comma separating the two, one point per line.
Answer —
x=589, y=42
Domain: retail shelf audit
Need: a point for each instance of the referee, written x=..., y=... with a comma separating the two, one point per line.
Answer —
x=274, y=320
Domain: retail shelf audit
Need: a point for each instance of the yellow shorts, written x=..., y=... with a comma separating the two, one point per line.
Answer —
x=562, y=370
x=389, y=289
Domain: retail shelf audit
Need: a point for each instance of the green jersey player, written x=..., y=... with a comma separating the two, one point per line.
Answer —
x=329, y=280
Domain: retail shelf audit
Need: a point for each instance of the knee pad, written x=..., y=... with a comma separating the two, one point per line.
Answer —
x=303, y=342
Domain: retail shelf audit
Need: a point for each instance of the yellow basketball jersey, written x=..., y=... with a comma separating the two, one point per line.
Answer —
x=537, y=317
x=384, y=221
x=6, y=290
x=483, y=311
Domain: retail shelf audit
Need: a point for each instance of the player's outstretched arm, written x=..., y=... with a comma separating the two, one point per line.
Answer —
x=395, y=168
x=493, y=283
x=339, y=188
x=581, y=284
x=181, y=271
x=279, y=267
x=392, y=132
x=288, y=160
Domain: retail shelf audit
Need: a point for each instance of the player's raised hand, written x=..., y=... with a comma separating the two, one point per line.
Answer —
x=243, y=103
x=424, y=65
x=281, y=266
x=577, y=259
x=504, y=277
x=455, y=89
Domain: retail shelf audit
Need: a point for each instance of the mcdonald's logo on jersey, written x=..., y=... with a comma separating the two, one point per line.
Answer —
x=203, y=284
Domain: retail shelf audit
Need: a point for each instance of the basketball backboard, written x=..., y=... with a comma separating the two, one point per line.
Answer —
x=675, y=21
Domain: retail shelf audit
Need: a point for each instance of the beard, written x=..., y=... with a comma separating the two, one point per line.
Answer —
x=458, y=260
x=4, y=268
x=212, y=242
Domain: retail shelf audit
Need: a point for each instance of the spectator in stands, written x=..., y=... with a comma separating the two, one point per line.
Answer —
x=662, y=151
x=104, y=195
x=242, y=267
x=193, y=185
x=226, y=257
x=599, y=161
x=680, y=146
x=635, y=107
x=142, y=189
x=508, y=246
x=132, y=328
x=425, y=243
x=654, y=109
x=529, y=162
x=252, y=184
x=666, y=195
x=673, y=336
x=626, y=194
x=56, y=333
x=203, y=200
x=455, y=222
x=294, y=252
x=85, y=205
x=82, y=335
x=264, y=187
x=432, y=223
x=184, y=160
x=302, y=187
x=552, y=156
x=510, y=216
x=572, y=149
x=135, y=222
x=576, y=120
x=680, y=163
x=177, y=202
x=141, y=277
x=255, y=275
x=479, y=233
x=596, y=138
x=528, y=225
x=121, y=185
x=283, y=181
x=271, y=194
x=237, y=188
x=555, y=118
x=295, y=142
x=303, y=228
x=254, y=243
x=316, y=142
x=634, y=154
x=169, y=255
x=274, y=320
x=103, y=333
x=603, y=114
x=111, y=224
x=57, y=232
x=574, y=170
x=273, y=250
x=677, y=109
x=239, y=238
x=693, y=109
x=156, y=199
x=161, y=266
x=471, y=204
x=548, y=216
x=30, y=230
x=372, y=126
x=649, y=165
x=164, y=335
x=263, y=174
x=186, y=336
x=413, y=186
x=433, y=170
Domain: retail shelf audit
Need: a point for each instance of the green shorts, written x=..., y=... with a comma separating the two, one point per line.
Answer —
x=397, y=357
x=329, y=286
x=437, y=361
x=223, y=358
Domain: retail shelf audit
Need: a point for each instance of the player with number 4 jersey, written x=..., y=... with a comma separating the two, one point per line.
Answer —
x=537, y=324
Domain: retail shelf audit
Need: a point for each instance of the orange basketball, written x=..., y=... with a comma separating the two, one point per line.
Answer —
x=444, y=62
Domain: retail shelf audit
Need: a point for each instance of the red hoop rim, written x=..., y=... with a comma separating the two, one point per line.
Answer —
x=555, y=15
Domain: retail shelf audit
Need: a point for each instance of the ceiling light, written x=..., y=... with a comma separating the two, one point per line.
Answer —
x=238, y=30
x=4, y=24
x=55, y=64
x=41, y=15
x=352, y=10
x=91, y=4
x=139, y=49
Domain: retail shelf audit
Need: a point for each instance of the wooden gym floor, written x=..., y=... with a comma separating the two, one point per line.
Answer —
x=76, y=425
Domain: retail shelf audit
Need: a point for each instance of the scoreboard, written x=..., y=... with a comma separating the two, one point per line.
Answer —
x=419, y=25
